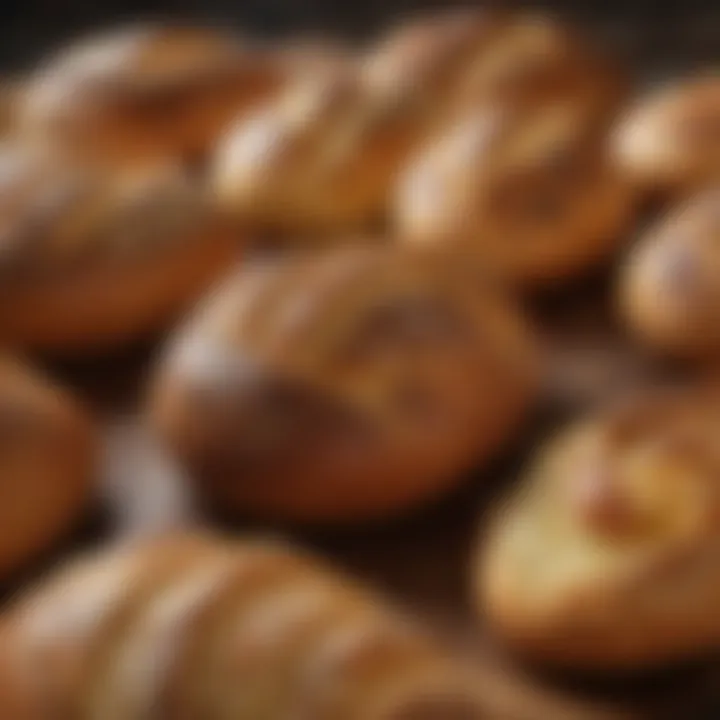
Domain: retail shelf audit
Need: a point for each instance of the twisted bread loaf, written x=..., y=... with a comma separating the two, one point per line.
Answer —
x=670, y=286
x=464, y=58
x=191, y=627
x=349, y=385
x=146, y=92
x=47, y=459
x=669, y=141
x=529, y=195
x=91, y=260
x=607, y=555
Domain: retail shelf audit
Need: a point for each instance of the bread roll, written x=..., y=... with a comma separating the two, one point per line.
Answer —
x=606, y=555
x=318, y=161
x=668, y=143
x=462, y=59
x=190, y=627
x=530, y=196
x=91, y=261
x=141, y=93
x=343, y=387
x=48, y=455
x=670, y=284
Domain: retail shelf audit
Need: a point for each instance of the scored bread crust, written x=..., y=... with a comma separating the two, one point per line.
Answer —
x=145, y=92
x=459, y=60
x=48, y=457
x=349, y=385
x=669, y=286
x=605, y=557
x=92, y=260
x=191, y=626
x=668, y=141
x=528, y=195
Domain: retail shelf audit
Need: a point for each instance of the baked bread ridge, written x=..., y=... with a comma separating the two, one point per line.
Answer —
x=48, y=457
x=147, y=91
x=268, y=629
x=668, y=142
x=351, y=384
x=604, y=559
x=318, y=159
x=528, y=195
x=669, y=286
x=92, y=259
x=458, y=60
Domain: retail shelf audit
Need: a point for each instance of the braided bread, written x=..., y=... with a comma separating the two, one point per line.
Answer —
x=668, y=143
x=196, y=627
x=92, y=260
x=670, y=286
x=345, y=386
x=146, y=92
x=464, y=58
x=47, y=458
x=529, y=195
x=607, y=555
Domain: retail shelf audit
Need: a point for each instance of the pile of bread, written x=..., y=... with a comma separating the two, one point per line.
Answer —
x=332, y=246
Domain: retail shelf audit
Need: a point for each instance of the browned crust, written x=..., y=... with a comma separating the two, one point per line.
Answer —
x=652, y=601
x=285, y=417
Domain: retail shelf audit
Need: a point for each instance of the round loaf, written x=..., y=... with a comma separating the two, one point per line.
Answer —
x=48, y=455
x=669, y=289
x=530, y=196
x=91, y=260
x=606, y=556
x=343, y=387
x=668, y=143
x=188, y=627
x=146, y=92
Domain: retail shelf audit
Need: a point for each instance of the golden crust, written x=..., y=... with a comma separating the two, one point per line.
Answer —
x=90, y=259
x=606, y=556
x=266, y=630
x=10, y=96
x=351, y=385
x=528, y=195
x=146, y=92
x=669, y=141
x=669, y=289
x=48, y=456
x=318, y=160
x=458, y=60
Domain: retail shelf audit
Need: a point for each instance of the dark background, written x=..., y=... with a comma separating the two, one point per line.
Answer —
x=662, y=34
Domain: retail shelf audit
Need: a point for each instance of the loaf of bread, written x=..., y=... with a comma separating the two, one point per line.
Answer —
x=48, y=459
x=92, y=260
x=197, y=627
x=318, y=160
x=668, y=142
x=344, y=386
x=529, y=195
x=146, y=92
x=606, y=556
x=462, y=59
x=669, y=290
